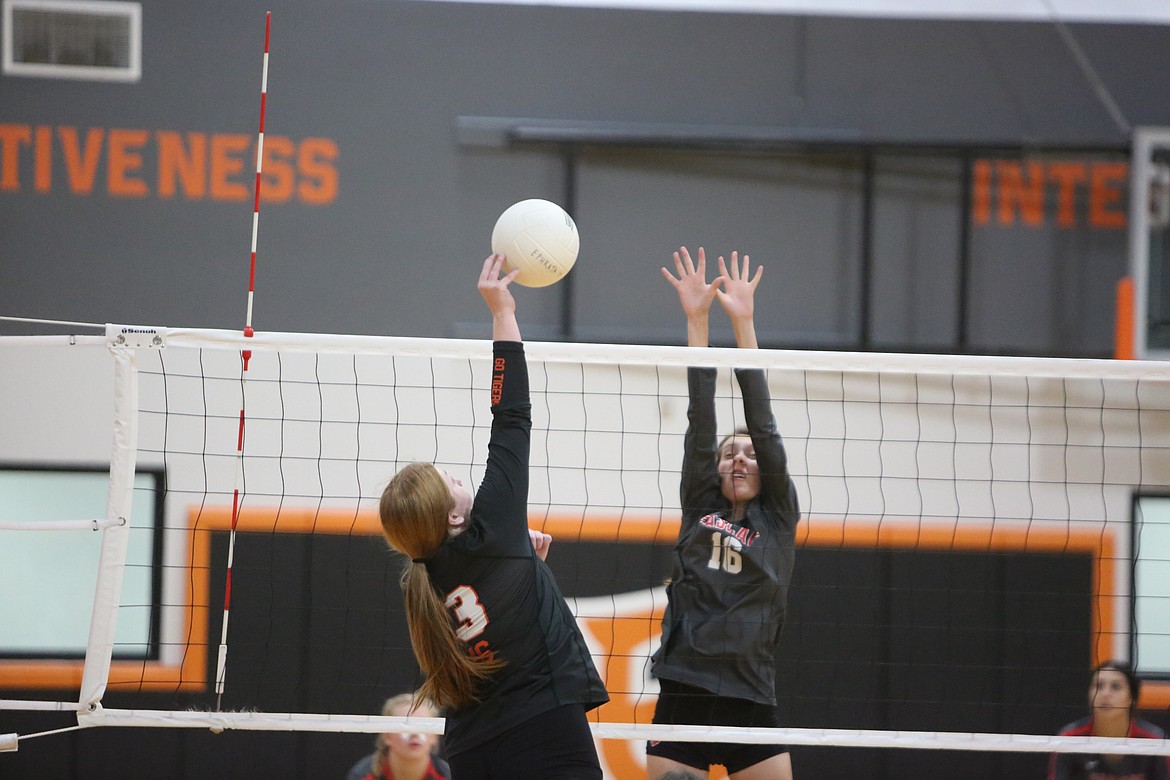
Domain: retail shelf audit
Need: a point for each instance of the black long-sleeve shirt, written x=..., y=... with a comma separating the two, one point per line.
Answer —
x=729, y=591
x=503, y=597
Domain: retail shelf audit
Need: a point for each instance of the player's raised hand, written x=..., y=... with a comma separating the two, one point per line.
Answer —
x=494, y=288
x=739, y=286
x=694, y=292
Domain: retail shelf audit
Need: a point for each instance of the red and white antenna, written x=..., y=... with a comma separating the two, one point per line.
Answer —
x=246, y=356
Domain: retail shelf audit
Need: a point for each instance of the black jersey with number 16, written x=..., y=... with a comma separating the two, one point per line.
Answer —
x=729, y=590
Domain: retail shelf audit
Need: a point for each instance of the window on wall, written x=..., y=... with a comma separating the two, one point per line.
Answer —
x=48, y=577
x=96, y=40
x=1151, y=613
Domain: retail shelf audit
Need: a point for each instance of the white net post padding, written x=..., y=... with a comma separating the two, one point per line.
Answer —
x=116, y=537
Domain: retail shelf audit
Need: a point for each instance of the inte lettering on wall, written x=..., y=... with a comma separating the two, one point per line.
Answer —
x=1065, y=194
x=166, y=164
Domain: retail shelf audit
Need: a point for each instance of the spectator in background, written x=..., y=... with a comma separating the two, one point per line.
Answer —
x=403, y=756
x=1113, y=696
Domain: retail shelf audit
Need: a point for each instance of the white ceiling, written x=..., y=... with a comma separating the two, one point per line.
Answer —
x=1110, y=11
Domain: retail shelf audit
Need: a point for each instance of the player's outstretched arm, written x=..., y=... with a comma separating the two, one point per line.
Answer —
x=494, y=289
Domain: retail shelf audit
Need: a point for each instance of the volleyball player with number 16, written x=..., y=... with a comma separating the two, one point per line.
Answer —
x=734, y=556
x=495, y=640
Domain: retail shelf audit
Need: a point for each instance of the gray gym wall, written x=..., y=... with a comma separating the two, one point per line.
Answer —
x=396, y=85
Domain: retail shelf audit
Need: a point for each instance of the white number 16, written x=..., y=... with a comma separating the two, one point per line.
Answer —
x=725, y=554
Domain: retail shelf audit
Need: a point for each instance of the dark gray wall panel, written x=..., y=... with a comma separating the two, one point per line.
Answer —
x=397, y=250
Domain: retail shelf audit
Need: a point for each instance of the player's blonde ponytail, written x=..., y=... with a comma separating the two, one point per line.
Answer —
x=414, y=511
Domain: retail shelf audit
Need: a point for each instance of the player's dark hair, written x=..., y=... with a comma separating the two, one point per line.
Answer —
x=1134, y=682
x=740, y=431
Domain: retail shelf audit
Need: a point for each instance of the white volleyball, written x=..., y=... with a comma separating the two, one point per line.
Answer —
x=539, y=238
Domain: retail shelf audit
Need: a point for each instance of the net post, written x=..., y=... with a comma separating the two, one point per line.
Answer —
x=116, y=537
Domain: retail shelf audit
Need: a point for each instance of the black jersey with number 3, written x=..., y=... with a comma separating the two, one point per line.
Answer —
x=729, y=591
x=502, y=597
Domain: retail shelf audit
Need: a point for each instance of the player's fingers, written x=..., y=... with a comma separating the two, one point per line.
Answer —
x=489, y=262
x=507, y=279
x=756, y=278
x=489, y=273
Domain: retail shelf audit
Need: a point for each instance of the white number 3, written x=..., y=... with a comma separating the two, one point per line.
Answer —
x=472, y=617
x=725, y=554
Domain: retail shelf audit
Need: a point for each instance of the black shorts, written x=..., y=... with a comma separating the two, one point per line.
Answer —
x=554, y=745
x=680, y=704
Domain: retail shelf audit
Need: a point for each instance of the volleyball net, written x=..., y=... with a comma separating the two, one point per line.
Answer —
x=966, y=554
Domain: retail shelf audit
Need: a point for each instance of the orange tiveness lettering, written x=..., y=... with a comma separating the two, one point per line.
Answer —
x=167, y=164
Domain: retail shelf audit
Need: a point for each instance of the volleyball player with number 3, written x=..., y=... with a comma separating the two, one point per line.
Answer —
x=735, y=552
x=494, y=638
